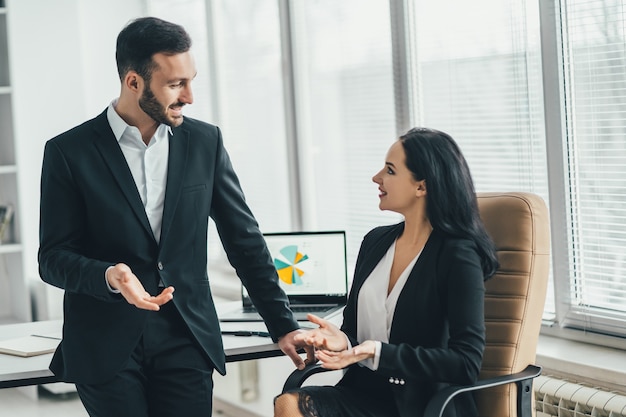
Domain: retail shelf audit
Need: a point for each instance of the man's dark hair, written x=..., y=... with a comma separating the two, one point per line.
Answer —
x=144, y=37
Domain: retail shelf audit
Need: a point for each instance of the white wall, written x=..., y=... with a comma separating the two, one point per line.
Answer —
x=62, y=63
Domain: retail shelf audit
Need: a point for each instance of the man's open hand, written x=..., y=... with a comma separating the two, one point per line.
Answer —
x=121, y=278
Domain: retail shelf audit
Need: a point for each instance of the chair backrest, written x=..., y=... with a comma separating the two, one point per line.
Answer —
x=518, y=223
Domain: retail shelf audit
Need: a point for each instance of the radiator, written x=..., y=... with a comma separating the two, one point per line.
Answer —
x=558, y=398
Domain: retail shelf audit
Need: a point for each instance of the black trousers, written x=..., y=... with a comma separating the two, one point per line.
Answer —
x=167, y=375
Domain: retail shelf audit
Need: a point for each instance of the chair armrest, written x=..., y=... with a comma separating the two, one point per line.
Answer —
x=297, y=377
x=437, y=404
x=523, y=379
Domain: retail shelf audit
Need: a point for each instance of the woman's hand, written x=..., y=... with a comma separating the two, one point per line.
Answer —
x=327, y=336
x=340, y=360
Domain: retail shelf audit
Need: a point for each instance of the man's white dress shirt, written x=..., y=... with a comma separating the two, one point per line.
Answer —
x=147, y=163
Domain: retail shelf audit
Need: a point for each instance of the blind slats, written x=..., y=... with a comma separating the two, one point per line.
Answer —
x=596, y=95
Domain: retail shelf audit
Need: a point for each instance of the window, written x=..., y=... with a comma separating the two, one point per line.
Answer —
x=330, y=83
x=239, y=51
x=595, y=91
x=249, y=103
x=478, y=77
x=345, y=110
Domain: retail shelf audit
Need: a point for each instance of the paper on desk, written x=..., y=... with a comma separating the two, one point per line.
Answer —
x=29, y=346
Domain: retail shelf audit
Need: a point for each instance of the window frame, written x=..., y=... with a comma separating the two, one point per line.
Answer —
x=565, y=322
x=570, y=321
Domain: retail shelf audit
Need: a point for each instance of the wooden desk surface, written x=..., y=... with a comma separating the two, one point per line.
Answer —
x=17, y=371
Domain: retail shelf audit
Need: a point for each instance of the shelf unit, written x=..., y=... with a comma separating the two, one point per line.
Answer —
x=15, y=304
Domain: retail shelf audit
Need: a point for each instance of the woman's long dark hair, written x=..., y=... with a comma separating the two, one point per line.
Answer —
x=452, y=207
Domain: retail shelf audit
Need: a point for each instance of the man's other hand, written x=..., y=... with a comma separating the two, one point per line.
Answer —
x=290, y=346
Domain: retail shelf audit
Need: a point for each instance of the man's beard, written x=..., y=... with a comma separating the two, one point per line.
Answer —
x=150, y=105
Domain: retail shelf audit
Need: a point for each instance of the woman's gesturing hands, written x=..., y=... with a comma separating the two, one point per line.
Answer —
x=327, y=336
x=340, y=360
x=331, y=345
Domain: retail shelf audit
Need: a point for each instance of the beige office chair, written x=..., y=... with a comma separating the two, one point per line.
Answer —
x=518, y=224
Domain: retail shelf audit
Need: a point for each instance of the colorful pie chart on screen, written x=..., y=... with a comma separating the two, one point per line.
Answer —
x=288, y=272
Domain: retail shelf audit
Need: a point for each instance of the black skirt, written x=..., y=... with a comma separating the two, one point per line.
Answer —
x=360, y=393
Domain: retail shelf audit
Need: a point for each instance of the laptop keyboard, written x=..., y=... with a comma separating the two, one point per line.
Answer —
x=295, y=309
x=309, y=309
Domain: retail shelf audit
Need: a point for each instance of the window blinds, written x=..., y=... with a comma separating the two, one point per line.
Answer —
x=479, y=78
x=595, y=75
x=344, y=89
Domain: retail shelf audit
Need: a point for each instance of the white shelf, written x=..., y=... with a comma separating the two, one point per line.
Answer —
x=10, y=320
x=15, y=299
x=10, y=248
x=8, y=169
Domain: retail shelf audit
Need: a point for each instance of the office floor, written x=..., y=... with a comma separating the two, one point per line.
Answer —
x=17, y=404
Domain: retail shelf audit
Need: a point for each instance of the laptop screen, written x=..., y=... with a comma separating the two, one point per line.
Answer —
x=311, y=266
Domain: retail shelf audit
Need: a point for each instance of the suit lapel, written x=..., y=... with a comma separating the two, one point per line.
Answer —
x=373, y=251
x=378, y=249
x=414, y=283
x=112, y=154
x=177, y=163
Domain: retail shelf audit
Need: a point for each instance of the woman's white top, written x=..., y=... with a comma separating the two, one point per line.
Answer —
x=375, y=309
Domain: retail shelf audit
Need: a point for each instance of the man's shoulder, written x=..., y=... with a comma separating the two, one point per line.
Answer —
x=196, y=126
x=77, y=133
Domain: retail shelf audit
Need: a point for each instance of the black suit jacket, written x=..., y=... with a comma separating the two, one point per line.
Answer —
x=437, y=335
x=92, y=217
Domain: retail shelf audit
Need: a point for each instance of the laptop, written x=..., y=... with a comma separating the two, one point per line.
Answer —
x=312, y=270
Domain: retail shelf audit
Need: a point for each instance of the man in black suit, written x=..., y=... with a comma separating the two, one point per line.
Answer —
x=125, y=203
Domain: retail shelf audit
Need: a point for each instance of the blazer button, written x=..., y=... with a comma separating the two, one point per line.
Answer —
x=402, y=382
x=391, y=380
x=160, y=266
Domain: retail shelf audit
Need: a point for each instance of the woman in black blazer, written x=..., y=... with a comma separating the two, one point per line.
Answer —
x=414, y=320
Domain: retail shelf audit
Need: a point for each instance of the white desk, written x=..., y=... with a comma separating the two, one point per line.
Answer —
x=16, y=371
